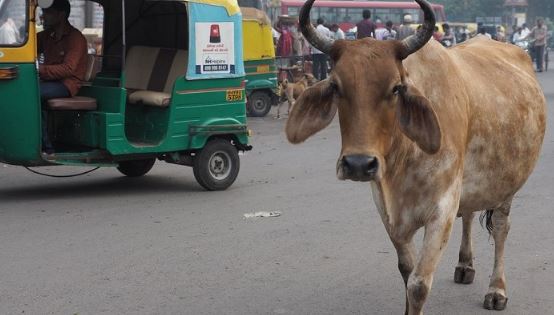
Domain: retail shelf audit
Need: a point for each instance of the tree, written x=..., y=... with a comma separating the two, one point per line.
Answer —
x=468, y=10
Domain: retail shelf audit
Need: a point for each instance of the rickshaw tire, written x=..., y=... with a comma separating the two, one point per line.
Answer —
x=136, y=168
x=264, y=98
x=222, y=151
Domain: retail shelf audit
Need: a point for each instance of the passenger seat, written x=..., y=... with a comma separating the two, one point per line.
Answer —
x=150, y=73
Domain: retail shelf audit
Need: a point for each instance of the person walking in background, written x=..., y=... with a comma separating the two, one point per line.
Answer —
x=318, y=57
x=483, y=31
x=525, y=30
x=9, y=34
x=366, y=27
x=448, y=39
x=539, y=34
x=337, y=32
x=379, y=29
x=389, y=33
x=405, y=30
x=500, y=36
x=518, y=35
x=437, y=34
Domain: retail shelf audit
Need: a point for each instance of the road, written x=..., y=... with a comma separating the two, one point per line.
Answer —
x=106, y=244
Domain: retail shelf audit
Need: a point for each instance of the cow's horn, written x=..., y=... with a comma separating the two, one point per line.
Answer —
x=418, y=40
x=309, y=32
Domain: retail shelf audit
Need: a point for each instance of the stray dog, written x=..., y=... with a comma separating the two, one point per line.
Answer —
x=293, y=90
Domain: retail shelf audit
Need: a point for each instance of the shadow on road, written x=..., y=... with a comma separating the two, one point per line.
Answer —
x=93, y=188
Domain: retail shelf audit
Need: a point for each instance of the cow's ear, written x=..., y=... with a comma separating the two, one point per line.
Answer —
x=313, y=111
x=417, y=119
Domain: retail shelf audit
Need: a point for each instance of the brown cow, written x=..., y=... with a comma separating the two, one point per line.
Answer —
x=438, y=132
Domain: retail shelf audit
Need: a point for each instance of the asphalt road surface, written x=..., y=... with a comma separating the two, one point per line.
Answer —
x=106, y=244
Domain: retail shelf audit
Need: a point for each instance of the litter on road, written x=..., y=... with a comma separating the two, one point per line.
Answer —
x=262, y=214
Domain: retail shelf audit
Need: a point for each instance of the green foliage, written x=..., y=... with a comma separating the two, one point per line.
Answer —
x=468, y=10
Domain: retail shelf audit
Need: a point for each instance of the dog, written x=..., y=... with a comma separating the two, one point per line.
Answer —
x=291, y=91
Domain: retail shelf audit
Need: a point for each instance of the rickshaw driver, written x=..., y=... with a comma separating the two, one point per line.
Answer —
x=64, y=50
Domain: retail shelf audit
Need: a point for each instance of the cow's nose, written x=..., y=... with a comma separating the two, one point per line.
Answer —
x=360, y=167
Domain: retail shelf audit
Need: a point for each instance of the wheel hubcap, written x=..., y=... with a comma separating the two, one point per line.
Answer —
x=220, y=165
x=259, y=104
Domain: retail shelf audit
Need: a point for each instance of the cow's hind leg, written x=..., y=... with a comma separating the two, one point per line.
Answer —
x=464, y=272
x=496, y=297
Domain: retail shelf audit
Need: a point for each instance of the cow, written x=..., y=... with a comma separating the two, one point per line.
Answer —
x=438, y=133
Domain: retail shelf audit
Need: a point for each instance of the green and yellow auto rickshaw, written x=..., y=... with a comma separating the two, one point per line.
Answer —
x=170, y=87
x=259, y=62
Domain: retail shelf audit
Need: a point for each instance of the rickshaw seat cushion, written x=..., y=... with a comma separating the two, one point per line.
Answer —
x=72, y=103
x=151, y=73
x=158, y=99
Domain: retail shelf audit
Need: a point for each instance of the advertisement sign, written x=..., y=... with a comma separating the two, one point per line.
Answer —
x=215, y=47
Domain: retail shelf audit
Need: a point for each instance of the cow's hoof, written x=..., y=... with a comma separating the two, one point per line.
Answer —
x=464, y=275
x=495, y=301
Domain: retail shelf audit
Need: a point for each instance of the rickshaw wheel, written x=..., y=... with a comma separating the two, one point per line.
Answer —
x=136, y=168
x=259, y=104
x=217, y=165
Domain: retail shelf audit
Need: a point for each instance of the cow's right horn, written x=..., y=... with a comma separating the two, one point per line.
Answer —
x=413, y=43
x=309, y=32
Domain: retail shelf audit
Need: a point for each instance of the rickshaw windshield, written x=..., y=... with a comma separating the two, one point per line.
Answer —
x=13, y=23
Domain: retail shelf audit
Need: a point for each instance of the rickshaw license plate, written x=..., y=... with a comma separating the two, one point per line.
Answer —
x=234, y=95
x=262, y=68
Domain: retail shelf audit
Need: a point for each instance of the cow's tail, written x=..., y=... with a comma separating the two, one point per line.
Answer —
x=486, y=217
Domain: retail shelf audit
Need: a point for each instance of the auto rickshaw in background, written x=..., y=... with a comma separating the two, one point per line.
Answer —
x=259, y=62
x=170, y=87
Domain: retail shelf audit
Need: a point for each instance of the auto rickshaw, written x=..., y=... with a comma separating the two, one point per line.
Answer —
x=170, y=88
x=259, y=62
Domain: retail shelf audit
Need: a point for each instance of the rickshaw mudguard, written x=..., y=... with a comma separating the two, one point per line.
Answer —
x=223, y=128
x=20, y=118
x=260, y=84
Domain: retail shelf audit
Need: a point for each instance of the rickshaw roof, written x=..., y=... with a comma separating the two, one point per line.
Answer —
x=253, y=14
x=231, y=6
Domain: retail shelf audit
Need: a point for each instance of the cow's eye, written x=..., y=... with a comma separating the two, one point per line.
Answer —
x=398, y=89
x=334, y=87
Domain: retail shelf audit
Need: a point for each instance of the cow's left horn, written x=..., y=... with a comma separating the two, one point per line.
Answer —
x=309, y=32
x=413, y=43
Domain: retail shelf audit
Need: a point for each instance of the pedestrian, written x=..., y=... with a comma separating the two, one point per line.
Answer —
x=318, y=57
x=525, y=30
x=518, y=35
x=448, y=39
x=539, y=34
x=9, y=35
x=483, y=31
x=379, y=29
x=366, y=27
x=500, y=36
x=514, y=31
x=405, y=30
x=389, y=33
x=437, y=34
x=337, y=32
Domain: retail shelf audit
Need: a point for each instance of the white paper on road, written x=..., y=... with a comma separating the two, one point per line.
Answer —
x=262, y=214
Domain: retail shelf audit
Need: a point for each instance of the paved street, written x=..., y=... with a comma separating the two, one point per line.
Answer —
x=106, y=244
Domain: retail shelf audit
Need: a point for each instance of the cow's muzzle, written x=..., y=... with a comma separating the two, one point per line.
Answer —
x=358, y=167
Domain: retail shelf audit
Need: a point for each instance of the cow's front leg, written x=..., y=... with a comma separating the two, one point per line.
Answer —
x=406, y=256
x=436, y=236
x=464, y=272
x=496, y=297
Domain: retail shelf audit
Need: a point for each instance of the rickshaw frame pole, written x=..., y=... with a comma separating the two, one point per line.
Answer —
x=123, y=38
